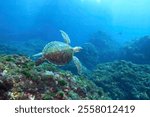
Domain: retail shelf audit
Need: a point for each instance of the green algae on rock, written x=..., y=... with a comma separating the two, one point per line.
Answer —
x=123, y=80
x=20, y=79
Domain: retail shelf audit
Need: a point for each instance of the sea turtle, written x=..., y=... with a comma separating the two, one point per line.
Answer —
x=60, y=53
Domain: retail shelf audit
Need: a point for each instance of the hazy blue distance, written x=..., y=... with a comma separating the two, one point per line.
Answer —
x=25, y=19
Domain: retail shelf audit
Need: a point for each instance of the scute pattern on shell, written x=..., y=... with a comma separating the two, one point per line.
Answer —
x=58, y=52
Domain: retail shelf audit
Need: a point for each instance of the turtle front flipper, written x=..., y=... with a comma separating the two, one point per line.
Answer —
x=65, y=37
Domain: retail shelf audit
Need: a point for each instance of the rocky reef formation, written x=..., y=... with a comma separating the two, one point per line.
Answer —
x=123, y=80
x=105, y=46
x=137, y=51
x=20, y=79
x=5, y=49
x=100, y=48
x=89, y=55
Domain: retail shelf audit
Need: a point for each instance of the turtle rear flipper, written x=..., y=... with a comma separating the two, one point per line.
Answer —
x=40, y=61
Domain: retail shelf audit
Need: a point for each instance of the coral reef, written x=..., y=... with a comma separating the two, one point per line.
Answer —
x=137, y=51
x=89, y=55
x=100, y=48
x=5, y=49
x=105, y=46
x=101, y=40
x=27, y=47
x=123, y=80
x=20, y=79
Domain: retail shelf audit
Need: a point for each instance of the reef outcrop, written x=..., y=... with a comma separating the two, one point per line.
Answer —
x=20, y=79
x=99, y=49
x=123, y=80
x=137, y=51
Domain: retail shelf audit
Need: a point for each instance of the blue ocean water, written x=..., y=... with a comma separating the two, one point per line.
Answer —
x=26, y=21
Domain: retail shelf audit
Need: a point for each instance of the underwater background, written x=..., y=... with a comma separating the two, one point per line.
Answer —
x=114, y=35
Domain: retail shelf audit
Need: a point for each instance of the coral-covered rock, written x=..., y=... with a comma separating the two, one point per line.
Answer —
x=89, y=55
x=5, y=49
x=123, y=80
x=105, y=45
x=21, y=79
x=137, y=51
x=100, y=48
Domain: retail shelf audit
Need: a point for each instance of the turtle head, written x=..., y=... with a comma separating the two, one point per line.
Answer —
x=77, y=49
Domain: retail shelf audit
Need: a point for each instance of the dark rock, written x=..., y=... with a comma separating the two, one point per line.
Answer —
x=100, y=48
x=137, y=51
x=89, y=55
x=123, y=80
